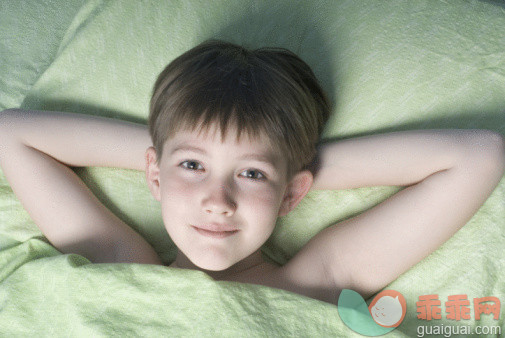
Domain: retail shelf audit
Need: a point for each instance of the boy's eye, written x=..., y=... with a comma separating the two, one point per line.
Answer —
x=194, y=165
x=254, y=175
x=191, y=165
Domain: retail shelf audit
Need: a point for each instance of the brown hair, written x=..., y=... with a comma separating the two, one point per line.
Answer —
x=267, y=90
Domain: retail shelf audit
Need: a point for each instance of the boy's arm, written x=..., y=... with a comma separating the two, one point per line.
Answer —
x=449, y=174
x=79, y=140
x=36, y=150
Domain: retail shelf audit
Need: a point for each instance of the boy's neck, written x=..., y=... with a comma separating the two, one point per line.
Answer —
x=253, y=260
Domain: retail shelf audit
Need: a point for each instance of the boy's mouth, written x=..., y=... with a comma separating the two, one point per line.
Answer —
x=218, y=227
x=214, y=234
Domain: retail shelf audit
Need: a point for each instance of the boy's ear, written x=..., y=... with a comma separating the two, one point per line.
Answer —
x=296, y=190
x=153, y=173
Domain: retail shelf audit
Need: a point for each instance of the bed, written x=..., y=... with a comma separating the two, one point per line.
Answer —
x=387, y=66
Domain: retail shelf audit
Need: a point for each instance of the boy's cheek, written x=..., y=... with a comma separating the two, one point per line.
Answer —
x=177, y=187
x=263, y=206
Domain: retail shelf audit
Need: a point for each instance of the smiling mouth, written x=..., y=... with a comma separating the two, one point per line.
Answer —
x=215, y=234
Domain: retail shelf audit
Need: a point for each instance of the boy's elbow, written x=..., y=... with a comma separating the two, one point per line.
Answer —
x=5, y=115
x=498, y=140
x=497, y=149
x=487, y=151
x=8, y=111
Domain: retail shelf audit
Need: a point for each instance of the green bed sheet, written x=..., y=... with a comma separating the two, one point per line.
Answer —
x=387, y=66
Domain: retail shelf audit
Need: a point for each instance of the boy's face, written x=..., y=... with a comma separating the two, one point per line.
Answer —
x=202, y=182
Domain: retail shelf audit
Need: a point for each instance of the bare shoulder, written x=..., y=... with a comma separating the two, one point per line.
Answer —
x=300, y=275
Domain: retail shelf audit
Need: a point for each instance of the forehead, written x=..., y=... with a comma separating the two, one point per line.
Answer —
x=246, y=147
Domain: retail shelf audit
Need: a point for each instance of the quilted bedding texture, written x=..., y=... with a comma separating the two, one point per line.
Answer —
x=387, y=66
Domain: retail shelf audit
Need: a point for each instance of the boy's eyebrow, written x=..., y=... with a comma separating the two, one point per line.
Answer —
x=268, y=158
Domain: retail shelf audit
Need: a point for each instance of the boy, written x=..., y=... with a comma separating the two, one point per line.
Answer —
x=233, y=136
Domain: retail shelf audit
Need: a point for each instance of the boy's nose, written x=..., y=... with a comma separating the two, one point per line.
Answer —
x=219, y=201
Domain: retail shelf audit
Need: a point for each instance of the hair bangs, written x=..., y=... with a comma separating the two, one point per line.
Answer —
x=267, y=93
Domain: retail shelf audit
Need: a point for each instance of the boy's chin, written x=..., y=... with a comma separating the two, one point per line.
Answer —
x=212, y=265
